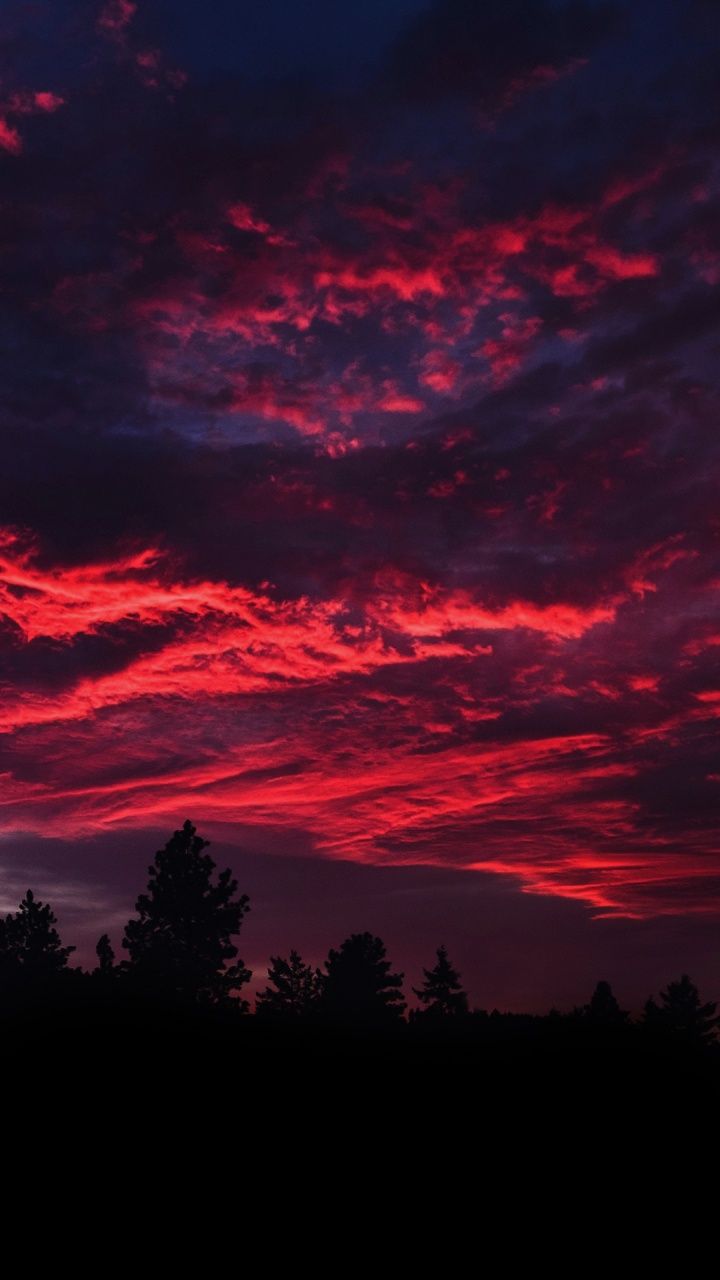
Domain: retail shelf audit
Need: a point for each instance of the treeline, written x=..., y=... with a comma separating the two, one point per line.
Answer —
x=179, y=953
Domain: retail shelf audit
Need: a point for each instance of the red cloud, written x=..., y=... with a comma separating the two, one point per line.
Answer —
x=439, y=371
x=377, y=720
x=23, y=104
x=434, y=275
x=115, y=17
x=242, y=642
x=10, y=139
x=507, y=352
x=149, y=64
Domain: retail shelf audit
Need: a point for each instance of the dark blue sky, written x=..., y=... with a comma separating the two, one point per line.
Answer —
x=321, y=39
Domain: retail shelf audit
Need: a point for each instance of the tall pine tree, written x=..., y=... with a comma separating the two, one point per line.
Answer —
x=358, y=986
x=182, y=940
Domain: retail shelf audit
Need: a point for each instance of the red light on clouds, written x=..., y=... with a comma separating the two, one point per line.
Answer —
x=423, y=269
x=10, y=139
x=373, y=474
x=115, y=16
x=384, y=739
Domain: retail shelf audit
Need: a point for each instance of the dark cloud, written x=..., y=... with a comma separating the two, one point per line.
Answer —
x=484, y=51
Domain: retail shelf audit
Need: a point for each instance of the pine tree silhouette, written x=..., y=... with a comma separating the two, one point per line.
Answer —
x=441, y=992
x=603, y=1009
x=682, y=1013
x=296, y=988
x=30, y=946
x=358, y=985
x=182, y=940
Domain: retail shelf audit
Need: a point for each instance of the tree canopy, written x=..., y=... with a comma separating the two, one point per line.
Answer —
x=105, y=955
x=294, y=989
x=358, y=984
x=30, y=946
x=441, y=992
x=603, y=1009
x=181, y=942
x=683, y=1013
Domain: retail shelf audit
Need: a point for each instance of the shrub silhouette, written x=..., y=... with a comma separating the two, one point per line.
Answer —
x=182, y=940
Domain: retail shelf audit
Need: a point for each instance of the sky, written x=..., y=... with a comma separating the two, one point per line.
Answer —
x=359, y=489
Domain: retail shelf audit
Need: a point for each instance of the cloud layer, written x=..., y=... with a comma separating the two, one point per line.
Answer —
x=360, y=462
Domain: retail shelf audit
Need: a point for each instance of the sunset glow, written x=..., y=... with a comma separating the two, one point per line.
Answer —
x=360, y=423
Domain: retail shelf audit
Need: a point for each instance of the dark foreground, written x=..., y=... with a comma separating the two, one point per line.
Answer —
x=428, y=1087
x=342, y=1146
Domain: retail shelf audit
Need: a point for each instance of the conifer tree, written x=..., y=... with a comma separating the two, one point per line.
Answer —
x=358, y=985
x=603, y=1009
x=441, y=992
x=295, y=988
x=182, y=940
x=30, y=946
x=682, y=1013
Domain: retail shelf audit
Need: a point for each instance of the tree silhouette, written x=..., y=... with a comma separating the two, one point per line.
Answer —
x=603, y=1009
x=182, y=940
x=105, y=955
x=296, y=988
x=441, y=992
x=358, y=985
x=682, y=1013
x=30, y=946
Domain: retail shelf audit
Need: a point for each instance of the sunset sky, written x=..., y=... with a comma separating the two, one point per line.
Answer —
x=359, y=496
